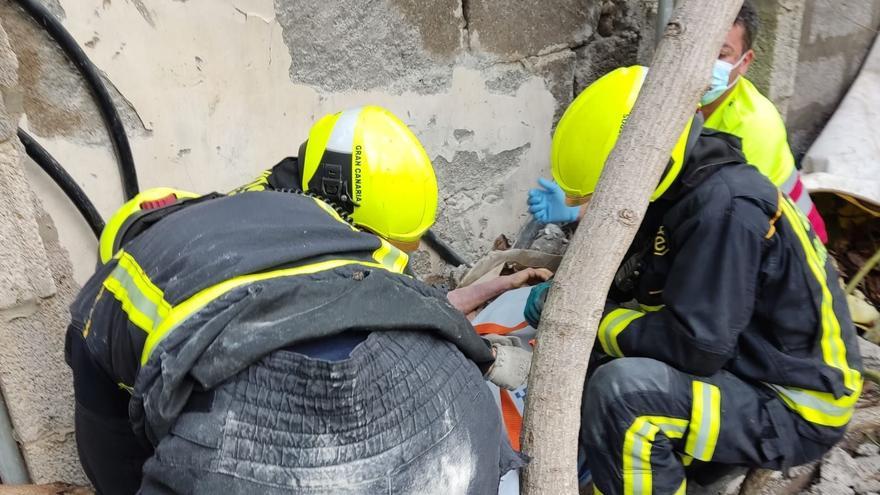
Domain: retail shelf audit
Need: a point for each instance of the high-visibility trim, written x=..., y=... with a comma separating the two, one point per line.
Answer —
x=705, y=421
x=201, y=299
x=833, y=348
x=512, y=419
x=142, y=301
x=651, y=309
x=637, y=443
x=790, y=182
x=107, y=242
x=389, y=256
x=333, y=213
x=127, y=388
x=261, y=183
x=612, y=324
x=637, y=457
x=683, y=488
x=821, y=408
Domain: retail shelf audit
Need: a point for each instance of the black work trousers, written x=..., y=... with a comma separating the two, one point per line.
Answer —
x=643, y=421
x=110, y=453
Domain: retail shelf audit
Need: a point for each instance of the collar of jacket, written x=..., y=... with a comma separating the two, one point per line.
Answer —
x=708, y=154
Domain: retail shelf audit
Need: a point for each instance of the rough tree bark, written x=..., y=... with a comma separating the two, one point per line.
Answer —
x=679, y=75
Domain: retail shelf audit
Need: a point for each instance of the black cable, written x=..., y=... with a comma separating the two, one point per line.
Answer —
x=105, y=104
x=444, y=250
x=54, y=169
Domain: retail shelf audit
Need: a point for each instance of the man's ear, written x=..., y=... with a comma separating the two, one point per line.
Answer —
x=747, y=62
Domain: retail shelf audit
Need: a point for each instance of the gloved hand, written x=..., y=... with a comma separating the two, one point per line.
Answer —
x=535, y=303
x=508, y=340
x=511, y=367
x=547, y=204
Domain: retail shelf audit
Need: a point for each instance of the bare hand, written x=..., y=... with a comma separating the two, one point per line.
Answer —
x=529, y=276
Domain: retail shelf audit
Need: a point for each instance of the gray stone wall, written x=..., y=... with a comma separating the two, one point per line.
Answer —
x=836, y=37
x=35, y=289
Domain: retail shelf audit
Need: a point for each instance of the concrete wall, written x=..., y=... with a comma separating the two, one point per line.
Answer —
x=35, y=289
x=836, y=37
x=213, y=91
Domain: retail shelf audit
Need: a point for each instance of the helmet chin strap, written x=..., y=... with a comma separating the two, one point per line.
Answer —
x=332, y=178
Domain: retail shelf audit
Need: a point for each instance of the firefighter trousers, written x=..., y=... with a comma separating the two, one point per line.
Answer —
x=643, y=422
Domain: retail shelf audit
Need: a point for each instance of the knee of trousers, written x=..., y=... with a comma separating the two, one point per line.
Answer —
x=615, y=387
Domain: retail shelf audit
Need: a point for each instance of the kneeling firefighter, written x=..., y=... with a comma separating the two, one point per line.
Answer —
x=742, y=350
x=268, y=342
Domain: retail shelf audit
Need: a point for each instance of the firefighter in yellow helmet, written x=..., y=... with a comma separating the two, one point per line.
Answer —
x=741, y=350
x=268, y=342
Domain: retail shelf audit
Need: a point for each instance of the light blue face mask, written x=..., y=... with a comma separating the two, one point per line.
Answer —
x=720, y=77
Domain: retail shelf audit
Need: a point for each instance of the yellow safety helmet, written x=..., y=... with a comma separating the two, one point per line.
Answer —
x=588, y=130
x=113, y=235
x=369, y=164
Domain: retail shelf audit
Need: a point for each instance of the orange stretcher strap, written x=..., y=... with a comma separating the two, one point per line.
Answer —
x=487, y=328
x=512, y=419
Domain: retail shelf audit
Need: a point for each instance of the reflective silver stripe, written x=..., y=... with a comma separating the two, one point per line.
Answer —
x=610, y=330
x=705, y=423
x=806, y=400
x=788, y=184
x=639, y=464
x=131, y=297
x=342, y=138
x=805, y=203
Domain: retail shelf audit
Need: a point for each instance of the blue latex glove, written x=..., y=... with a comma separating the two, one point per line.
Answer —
x=547, y=204
x=535, y=303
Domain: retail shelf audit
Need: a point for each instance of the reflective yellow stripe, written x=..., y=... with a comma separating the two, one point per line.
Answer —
x=833, y=348
x=258, y=184
x=705, y=421
x=333, y=213
x=142, y=301
x=651, y=309
x=183, y=310
x=819, y=407
x=683, y=488
x=611, y=326
x=132, y=206
x=637, y=456
x=389, y=256
x=637, y=445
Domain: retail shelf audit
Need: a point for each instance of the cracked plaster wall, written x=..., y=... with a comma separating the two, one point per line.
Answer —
x=214, y=91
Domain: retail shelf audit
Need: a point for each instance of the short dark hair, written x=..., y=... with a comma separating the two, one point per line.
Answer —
x=749, y=20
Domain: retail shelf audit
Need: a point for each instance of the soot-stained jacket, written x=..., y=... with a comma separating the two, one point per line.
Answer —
x=216, y=285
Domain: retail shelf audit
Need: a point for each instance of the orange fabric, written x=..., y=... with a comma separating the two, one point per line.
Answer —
x=487, y=328
x=512, y=419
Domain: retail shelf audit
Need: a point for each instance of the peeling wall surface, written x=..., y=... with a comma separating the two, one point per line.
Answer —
x=836, y=37
x=213, y=91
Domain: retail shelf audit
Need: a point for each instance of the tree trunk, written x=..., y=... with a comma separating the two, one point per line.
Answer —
x=681, y=68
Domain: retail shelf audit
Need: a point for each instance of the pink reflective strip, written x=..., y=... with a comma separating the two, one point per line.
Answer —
x=797, y=191
x=789, y=183
x=818, y=223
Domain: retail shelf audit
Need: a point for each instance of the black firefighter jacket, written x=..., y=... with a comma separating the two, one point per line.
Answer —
x=733, y=278
x=215, y=286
